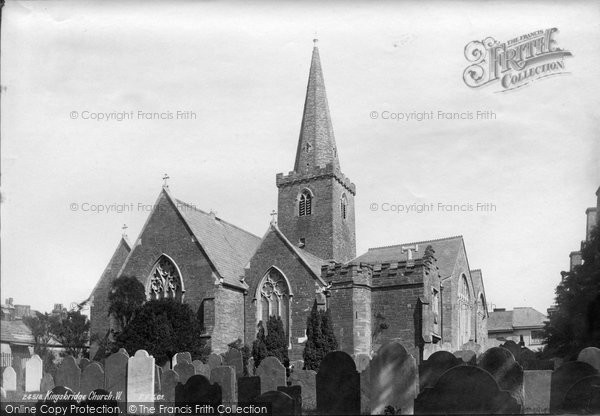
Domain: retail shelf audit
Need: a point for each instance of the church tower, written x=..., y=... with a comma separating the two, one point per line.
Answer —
x=316, y=201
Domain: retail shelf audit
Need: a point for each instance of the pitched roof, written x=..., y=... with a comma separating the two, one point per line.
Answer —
x=15, y=332
x=313, y=262
x=113, y=267
x=228, y=247
x=446, y=252
x=521, y=317
x=500, y=321
x=316, y=145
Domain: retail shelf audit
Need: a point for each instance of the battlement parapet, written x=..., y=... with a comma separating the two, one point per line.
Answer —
x=319, y=172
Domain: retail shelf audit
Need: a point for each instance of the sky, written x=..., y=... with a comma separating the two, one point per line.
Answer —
x=242, y=71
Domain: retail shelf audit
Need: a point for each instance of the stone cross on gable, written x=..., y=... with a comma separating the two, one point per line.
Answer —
x=124, y=228
x=165, y=179
x=273, y=217
x=409, y=250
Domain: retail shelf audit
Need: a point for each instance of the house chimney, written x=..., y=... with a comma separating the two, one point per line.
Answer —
x=591, y=221
x=575, y=259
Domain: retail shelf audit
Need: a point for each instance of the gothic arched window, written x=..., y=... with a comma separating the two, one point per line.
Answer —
x=343, y=206
x=464, y=311
x=273, y=298
x=165, y=280
x=305, y=203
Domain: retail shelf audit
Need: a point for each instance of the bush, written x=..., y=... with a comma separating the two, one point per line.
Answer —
x=276, y=340
x=321, y=339
x=259, y=346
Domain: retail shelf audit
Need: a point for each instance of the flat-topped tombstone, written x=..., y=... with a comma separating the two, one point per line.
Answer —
x=466, y=389
x=215, y=360
x=201, y=368
x=536, y=387
x=92, y=378
x=169, y=382
x=68, y=374
x=272, y=374
x=185, y=370
x=248, y=389
x=338, y=385
x=307, y=380
x=181, y=357
x=282, y=404
x=437, y=364
x=295, y=392
x=115, y=374
x=140, y=380
x=583, y=397
x=362, y=361
x=198, y=390
x=233, y=358
x=394, y=379
x=501, y=364
x=47, y=383
x=83, y=363
x=590, y=355
x=467, y=356
x=225, y=377
x=564, y=377
x=33, y=373
x=9, y=379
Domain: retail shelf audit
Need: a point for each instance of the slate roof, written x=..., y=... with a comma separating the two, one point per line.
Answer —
x=522, y=317
x=228, y=247
x=446, y=252
x=15, y=332
x=313, y=262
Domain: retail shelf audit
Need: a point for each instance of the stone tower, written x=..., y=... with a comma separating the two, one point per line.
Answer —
x=316, y=201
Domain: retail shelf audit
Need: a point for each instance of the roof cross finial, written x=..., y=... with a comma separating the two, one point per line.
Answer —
x=124, y=228
x=165, y=179
x=315, y=40
x=273, y=217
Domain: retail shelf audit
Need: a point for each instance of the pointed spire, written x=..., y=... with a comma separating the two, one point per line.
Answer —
x=316, y=145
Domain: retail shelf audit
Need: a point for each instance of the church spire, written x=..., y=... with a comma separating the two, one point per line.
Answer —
x=316, y=145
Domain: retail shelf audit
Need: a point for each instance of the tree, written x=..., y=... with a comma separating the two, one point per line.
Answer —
x=72, y=332
x=575, y=324
x=259, y=346
x=163, y=328
x=320, y=338
x=40, y=329
x=276, y=340
x=126, y=296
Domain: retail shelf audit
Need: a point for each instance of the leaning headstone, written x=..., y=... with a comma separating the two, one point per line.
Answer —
x=564, y=377
x=282, y=404
x=583, y=397
x=181, y=357
x=47, y=383
x=466, y=389
x=185, y=370
x=307, y=380
x=233, y=358
x=68, y=374
x=501, y=364
x=467, y=356
x=169, y=381
x=536, y=387
x=248, y=389
x=9, y=379
x=33, y=373
x=362, y=361
x=140, y=380
x=83, y=363
x=201, y=368
x=225, y=377
x=590, y=355
x=272, y=374
x=215, y=360
x=338, y=385
x=115, y=375
x=92, y=378
x=295, y=392
x=198, y=390
x=437, y=364
x=394, y=379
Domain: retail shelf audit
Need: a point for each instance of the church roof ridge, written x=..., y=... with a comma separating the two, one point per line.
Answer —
x=416, y=242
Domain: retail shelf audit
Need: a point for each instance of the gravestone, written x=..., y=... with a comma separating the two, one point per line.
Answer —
x=437, y=364
x=140, y=380
x=295, y=392
x=83, y=363
x=215, y=360
x=2, y=393
x=65, y=402
x=365, y=391
x=501, y=364
x=590, y=355
x=467, y=356
x=92, y=378
x=233, y=358
x=472, y=346
x=513, y=347
x=282, y=404
x=362, y=361
x=250, y=366
x=225, y=377
x=169, y=382
x=307, y=380
x=185, y=370
x=115, y=375
x=465, y=389
x=9, y=379
x=583, y=397
x=181, y=357
x=338, y=385
x=272, y=374
x=33, y=373
x=248, y=389
x=201, y=368
x=394, y=379
x=297, y=365
x=157, y=379
x=526, y=355
x=536, y=387
x=198, y=390
x=68, y=374
x=566, y=376
x=47, y=383
x=98, y=401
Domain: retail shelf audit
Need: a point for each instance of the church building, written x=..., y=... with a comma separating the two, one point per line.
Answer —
x=423, y=294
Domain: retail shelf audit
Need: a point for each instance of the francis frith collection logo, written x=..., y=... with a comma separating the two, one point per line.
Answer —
x=516, y=62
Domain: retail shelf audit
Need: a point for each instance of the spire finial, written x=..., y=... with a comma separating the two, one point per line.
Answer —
x=165, y=179
x=315, y=40
x=124, y=228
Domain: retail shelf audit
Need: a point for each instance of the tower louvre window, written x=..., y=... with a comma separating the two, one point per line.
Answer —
x=305, y=205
